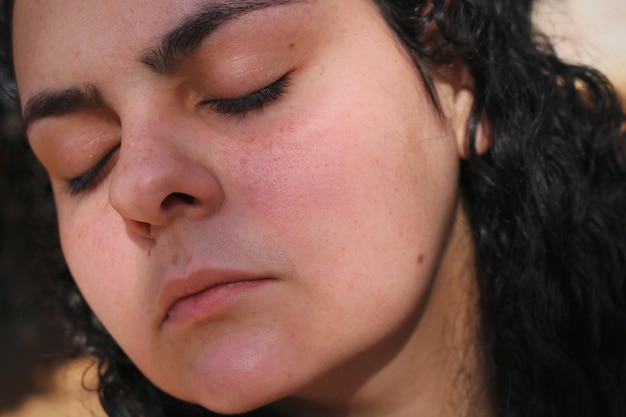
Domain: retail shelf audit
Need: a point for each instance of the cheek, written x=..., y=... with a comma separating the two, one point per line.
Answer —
x=304, y=187
x=356, y=196
x=336, y=170
x=99, y=259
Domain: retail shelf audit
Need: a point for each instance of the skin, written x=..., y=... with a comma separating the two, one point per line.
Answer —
x=343, y=191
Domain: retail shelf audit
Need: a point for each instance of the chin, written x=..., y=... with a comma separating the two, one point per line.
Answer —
x=239, y=387
x=236, y=402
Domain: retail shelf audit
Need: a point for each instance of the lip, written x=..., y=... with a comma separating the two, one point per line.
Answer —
x=203, y=294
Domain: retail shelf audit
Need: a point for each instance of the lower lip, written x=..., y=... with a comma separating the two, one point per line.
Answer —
x=210, y=302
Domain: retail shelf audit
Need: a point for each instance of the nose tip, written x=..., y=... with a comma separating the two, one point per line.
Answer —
x=154, y=189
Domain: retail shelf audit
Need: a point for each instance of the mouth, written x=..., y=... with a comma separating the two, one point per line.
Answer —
x=204, y=295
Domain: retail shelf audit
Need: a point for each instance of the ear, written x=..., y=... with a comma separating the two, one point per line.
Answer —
x=455, y=91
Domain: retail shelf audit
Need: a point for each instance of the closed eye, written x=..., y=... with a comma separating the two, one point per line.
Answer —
x=91, y=177
x=250, y=102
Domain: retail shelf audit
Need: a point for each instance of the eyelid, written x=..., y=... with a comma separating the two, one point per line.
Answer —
x=91, y=177
x=250, y=102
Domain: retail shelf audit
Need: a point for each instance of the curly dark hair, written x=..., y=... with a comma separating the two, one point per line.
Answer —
x=546, y=203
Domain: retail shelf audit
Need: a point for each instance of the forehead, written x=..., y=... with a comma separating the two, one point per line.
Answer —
x=51, y=36
x=56, y=41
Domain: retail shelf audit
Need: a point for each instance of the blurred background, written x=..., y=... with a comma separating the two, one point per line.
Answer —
x=34, y=379
x=592, y=32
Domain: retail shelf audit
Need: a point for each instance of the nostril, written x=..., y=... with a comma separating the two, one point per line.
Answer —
x=186, y=198
x=177, y=198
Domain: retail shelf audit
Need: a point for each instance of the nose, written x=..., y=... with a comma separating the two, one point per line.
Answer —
x=157, y=180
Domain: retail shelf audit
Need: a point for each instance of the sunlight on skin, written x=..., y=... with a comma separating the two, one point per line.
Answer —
x=588, y=31
x=322, y=173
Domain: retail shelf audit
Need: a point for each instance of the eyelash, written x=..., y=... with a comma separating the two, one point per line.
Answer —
x=89, y=179
x=237, y=106
x=251, y=102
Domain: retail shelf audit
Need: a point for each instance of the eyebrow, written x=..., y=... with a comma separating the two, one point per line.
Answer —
x=62, y=102
x=171, y=49
x=186, y=38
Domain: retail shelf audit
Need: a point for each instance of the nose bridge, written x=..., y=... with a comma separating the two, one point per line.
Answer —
x=158, y=177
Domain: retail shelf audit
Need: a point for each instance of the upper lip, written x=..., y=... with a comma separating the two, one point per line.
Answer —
x=176, y=289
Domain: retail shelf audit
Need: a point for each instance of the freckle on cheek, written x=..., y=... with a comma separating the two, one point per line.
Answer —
x=420, y=258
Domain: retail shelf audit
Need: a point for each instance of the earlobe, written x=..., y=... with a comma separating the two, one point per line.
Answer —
x=463, y=104
x=456, y=101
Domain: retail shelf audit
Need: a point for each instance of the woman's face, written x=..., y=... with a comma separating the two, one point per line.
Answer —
x=255, y=197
